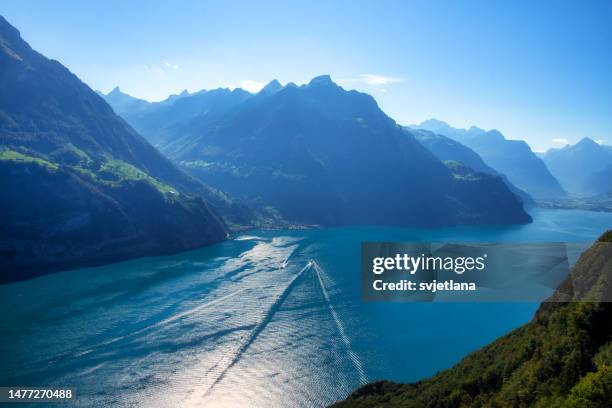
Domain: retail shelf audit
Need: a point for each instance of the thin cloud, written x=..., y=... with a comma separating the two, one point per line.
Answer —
x=599, y=141
x=251, y=86
x=560, y=140
x=154, y=69
x=161, y=68
x=375, y=79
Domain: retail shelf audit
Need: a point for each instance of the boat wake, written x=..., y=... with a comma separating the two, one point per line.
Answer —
x=228, y=362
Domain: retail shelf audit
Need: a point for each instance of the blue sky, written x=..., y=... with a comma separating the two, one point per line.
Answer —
x=539, y=71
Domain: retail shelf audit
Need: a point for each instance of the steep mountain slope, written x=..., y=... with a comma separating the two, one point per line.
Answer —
x=159, y=122
x=445, y=149
x=574, y=165
x=513, y=158
x=318, y=154
x=562, y=358
x=80, y=186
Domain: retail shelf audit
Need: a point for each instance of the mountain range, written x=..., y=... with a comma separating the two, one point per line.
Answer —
x=513, y=158
x=80, y=186
x=318, y=154
x=161, y=121
x=561, y=358
x=583, y=169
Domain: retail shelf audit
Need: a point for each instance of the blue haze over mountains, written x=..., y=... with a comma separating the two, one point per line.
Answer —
x=160, y=121
x=526, y=174
x=319, y=154
x=580, y=170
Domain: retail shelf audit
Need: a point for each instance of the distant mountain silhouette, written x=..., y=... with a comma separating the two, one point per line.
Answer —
x=271, y=88
x=513, y=158
x=123, y=103
x=159, y=122
x=318, y=154
x=577, y=167
x=447, y=149
x=79, y=185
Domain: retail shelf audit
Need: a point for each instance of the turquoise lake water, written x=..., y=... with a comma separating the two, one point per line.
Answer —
x=248, y=322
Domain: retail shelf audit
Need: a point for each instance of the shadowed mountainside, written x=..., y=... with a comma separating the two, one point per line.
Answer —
x=80, y=186
x=318, y=154
x=445, y=149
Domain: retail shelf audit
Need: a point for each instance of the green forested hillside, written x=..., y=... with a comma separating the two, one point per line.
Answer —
x=562, y=358
x=79, y=185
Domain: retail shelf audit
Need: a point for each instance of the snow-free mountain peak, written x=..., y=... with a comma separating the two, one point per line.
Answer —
x=321, y=80
x=588, y=142
x=271, y=87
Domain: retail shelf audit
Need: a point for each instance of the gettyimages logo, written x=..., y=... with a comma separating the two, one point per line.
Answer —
x=413, y=264
x=460, y=272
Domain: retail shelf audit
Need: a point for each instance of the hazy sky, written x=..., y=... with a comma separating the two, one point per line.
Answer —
x=536, y=70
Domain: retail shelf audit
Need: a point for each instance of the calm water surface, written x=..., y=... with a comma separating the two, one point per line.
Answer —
x=248, y=322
